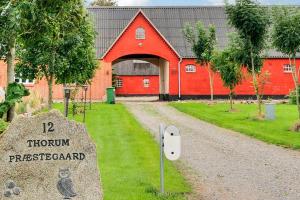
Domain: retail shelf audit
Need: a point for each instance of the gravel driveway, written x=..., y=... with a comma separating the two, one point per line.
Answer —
x=228, y=165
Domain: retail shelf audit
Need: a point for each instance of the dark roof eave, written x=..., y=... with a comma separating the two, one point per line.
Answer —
x=266, y=57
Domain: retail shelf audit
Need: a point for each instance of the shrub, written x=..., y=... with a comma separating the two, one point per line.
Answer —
x=296, y=127
x=21, y=107
x=35, y=100
x=30, y=104
x=15, y=92
x=3, y=126
x=292, y=97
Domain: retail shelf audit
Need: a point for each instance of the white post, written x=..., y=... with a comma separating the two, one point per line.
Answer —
x=161, y=135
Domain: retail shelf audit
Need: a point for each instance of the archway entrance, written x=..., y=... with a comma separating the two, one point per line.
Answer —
x=141, y=75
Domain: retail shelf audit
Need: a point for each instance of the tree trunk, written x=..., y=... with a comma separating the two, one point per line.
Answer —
x=211, y=82
x=49, y=78
x=231, y=100
x=297, y=96
x=11, y=74
x=50, y=92
x=296, y=82
x=65, y=102
x=255, y=85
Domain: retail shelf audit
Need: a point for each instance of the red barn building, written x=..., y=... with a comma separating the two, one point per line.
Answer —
x=154, y=35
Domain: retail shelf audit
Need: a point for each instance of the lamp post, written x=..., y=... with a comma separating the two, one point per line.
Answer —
x=85, y=88
x=67, y=94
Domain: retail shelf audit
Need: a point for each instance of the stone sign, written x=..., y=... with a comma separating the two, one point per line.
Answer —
x=48, y=157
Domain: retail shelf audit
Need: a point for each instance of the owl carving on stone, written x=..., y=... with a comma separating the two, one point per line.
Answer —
x=65, y=185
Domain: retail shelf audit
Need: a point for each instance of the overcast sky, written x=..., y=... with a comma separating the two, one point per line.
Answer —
x=193, y=2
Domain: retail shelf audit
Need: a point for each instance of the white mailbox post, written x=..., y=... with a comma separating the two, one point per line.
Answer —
x=170, y=145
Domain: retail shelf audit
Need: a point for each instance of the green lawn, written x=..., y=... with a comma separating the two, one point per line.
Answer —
x=243, y=120
x=128, y=157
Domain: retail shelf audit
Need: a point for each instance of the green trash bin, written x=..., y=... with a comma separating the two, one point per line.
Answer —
x=110, y=93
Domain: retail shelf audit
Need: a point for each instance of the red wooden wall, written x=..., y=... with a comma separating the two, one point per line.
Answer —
x=134, y=85
x=280, y=82
x=154, y=45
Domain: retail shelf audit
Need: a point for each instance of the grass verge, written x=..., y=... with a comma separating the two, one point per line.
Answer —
x=243, y=120
x=128, y=157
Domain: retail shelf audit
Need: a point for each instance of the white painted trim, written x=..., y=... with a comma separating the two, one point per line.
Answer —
x=141, y=11
x=179, y=78
x=131, y=21
x=111, y=46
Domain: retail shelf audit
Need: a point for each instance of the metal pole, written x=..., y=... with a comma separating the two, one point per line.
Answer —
x=84, y=107
x=162, y=177
x=73, y=108
x=66, y=100
x=65, y=104
x=66, y=107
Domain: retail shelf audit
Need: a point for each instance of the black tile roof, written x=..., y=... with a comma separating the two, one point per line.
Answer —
x=170, y=21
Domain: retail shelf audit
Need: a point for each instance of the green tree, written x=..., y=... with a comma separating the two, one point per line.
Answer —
x=15, y=92
x=227, y=64
x=203, y=45
x=58, y=43
x=251, y=22
x=286, y=39
x=79, y=54
x=104, y=3
x=9, y=31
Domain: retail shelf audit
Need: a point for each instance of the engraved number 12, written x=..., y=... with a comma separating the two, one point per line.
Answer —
x=48, y=127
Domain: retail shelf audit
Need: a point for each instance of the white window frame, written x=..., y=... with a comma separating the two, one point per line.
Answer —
x=287, y=68
x=146, y=83
x=24, y=81
x=119, y=83
x=190, y=68
x=140, y=33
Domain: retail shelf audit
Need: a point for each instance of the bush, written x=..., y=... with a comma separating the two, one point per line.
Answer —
x=21, y=108
x=292, y=97
x=3, y=126
x=296, y=127
x=35, y=100
x=30, y=104
x=15, y=92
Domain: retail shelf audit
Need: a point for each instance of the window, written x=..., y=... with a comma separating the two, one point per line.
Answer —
x=287, y=68
x=190, y=68
x=140, y=34
x=119, y=83
x=146, y=83
x=24, y=81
